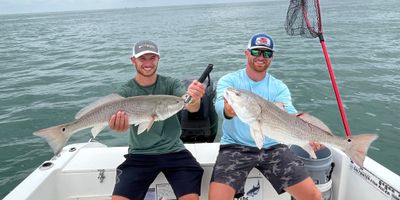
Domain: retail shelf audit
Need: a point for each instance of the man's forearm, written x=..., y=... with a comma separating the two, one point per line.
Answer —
x=193, y=106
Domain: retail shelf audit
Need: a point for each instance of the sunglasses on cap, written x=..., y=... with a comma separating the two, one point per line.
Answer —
x=258, y=52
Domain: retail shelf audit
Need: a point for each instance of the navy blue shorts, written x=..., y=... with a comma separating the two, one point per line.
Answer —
x=138, y=171
x=280, y=166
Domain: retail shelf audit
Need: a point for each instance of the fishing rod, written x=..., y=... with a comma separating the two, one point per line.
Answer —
x=203, y=77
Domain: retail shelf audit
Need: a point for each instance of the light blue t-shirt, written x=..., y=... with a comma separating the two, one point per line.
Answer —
x=234, y=130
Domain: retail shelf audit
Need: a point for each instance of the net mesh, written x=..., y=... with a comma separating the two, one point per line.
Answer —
x=303, y=18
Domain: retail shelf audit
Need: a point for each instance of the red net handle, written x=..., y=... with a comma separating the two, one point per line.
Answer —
x=327, y=60
x=335, y=89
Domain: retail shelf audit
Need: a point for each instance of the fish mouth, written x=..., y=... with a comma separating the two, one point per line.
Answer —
x=228, y=95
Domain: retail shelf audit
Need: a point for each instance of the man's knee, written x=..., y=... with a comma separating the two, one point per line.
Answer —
x=220, y=191
x=305, y=190
x=311, y=194
x=192, y=196
x=316, y=194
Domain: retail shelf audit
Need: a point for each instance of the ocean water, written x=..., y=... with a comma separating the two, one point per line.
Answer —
x=53, y=64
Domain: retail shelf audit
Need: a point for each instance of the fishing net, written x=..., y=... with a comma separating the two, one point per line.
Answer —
x=303, y=18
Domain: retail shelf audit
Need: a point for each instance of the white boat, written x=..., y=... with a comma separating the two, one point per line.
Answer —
x=87, y=171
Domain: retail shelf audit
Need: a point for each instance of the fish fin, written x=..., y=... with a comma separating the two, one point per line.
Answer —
x=314, y=121
x=280, y=105
x=358, y=147
x=100, y=102
x=150, y=124
x=97, y=129
x=146, y=125
x=257, y=134
x=142, y=127
x=55, y=136
x=308, y=148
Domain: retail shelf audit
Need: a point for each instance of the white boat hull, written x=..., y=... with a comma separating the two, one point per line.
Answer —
x=87, y=171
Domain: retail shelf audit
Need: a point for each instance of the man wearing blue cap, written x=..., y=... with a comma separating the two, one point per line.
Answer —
x=238, y=153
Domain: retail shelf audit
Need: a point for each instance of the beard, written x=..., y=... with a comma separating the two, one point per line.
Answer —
x=259, y=67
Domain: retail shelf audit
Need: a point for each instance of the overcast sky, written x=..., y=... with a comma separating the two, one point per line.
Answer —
x=34, y=6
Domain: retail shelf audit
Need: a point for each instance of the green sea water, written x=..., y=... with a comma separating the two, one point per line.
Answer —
x=53, y=64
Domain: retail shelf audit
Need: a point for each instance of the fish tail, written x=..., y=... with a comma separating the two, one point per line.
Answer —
x=56, y=136
x=357, y=150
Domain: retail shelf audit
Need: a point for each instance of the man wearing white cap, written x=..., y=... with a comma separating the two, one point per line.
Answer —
x=160, y=149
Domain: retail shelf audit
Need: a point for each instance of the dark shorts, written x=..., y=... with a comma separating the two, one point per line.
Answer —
x=277, y=164
x=138, y=171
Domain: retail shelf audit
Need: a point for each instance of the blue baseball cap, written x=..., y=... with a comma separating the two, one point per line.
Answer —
x=261, y=41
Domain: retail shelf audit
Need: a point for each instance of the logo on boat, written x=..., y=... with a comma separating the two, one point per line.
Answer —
x=253, y=189
x=378, y=183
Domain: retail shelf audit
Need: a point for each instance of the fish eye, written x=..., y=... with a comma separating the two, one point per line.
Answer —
x=63, y=129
